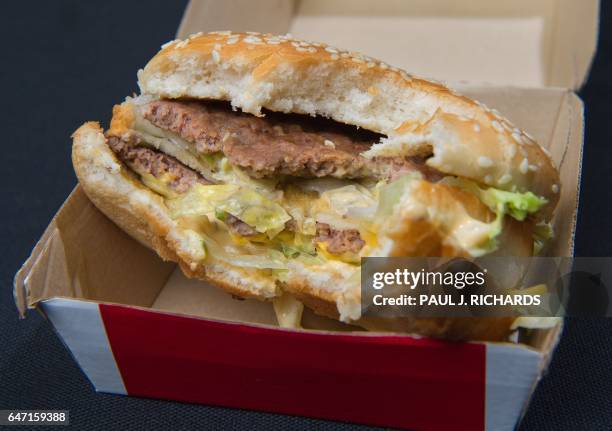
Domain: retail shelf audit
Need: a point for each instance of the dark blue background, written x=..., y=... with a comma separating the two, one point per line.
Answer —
x=64, y=62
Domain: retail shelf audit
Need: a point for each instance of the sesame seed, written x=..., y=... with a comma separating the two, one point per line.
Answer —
x=216, y=57
x=510, y=151
x=312, y=49
x=329, y=143
x=295, y=44
x=488, y=179
x=252, y=39
x=370, y=64
x=222, y=33
x=357, y=60
x=476, y=127
x=498, y=127
x=334, y=57
x=345, y=55
x=253, y=33
x=273, y=42
x=555, y=188
x=516, y=137
x=172, y=42
x=232, y=40
x=383, y=66
x=330, y=49
x=534, y=168
x=505, y=179
x=524, y=166
x=484, y=162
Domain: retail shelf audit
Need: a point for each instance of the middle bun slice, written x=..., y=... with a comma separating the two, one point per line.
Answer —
x=271, y=166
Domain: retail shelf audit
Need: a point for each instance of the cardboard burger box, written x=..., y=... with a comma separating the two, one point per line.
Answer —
x=137, y=326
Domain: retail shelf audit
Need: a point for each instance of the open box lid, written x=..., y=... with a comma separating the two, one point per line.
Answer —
x=527, y=43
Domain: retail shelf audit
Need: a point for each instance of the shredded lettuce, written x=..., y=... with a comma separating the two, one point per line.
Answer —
x=251, y=207
x=230, y=174
x=354, y=200
x=268, y=259
x=257, y=211
x=200, y=200
x=493, y=229
x=391, y=193
x=542, y=232
x=516, y=204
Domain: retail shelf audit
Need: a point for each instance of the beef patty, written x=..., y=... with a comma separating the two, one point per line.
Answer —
x=145, y=160
x=339, y=241
x=277, y=144
x=280, y=144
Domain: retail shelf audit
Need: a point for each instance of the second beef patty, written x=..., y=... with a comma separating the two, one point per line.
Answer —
x=276, y=144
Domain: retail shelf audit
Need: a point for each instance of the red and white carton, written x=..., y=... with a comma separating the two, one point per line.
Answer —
x=137, y=326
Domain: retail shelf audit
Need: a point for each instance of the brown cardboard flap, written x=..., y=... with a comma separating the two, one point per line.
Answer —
x=575, y=31
x=534, y=43
x=84, y=255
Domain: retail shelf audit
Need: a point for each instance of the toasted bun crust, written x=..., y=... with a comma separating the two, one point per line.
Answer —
x=113, y=188
x=279, y=73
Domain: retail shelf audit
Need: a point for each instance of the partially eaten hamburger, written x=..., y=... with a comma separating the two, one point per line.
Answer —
x=270, y=166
